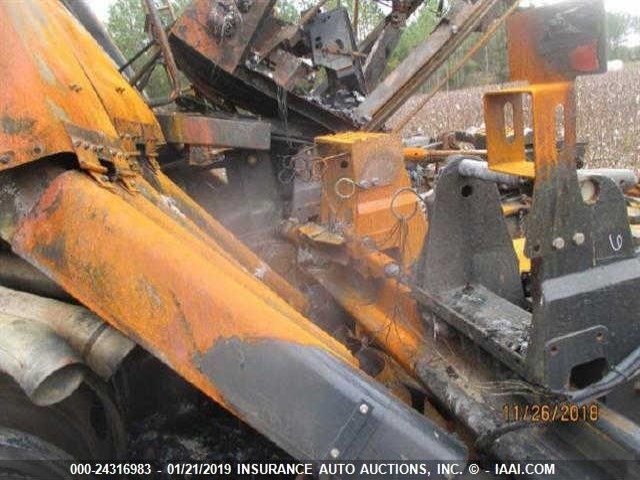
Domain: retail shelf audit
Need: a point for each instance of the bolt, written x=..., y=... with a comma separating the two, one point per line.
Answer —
x=375, y=181
x=86, y=145
x=454, y=29
x=364, y=184
x=76, y=143
x=5, y=158
x=578, y=238
x=335, y=453
x=252, y=160
x=391, y=270
x=558, y=243
x=364, y=409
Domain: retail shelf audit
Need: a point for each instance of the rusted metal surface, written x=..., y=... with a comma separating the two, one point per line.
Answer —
x=285, y=32
x=382, y=40
x=172, y=200
x=213, y=323
x=198, y=27
x=86, y=16
x=171, y=292
x=258, y=94
x=56, y=74
x=288, y=69
x=157, y=31
x=216, y=131
x=557, y=42
x=403, y=82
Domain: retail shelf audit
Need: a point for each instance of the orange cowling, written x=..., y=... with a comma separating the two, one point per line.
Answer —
x=151, y=278
x=58, y=82
x=180, y=297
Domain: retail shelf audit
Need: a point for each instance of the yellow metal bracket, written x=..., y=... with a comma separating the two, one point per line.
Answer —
x=552, y=111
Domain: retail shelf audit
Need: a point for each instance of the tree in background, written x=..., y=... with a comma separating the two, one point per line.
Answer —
x=126, y=26
x=418, y=28
x=369, y=12
x=489, y=65
x=620, y=27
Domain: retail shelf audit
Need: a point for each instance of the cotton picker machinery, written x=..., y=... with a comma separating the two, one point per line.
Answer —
x=264, y=235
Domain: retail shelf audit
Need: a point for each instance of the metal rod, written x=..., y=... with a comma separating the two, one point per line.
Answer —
x=473, y=168
x=137, y=56
x=481, y=42
x=356, y=12
x=144, y=69
x=427, y=155
x=160, y=35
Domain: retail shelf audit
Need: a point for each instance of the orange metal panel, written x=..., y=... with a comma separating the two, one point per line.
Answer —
x=54, y=73
x=506, y=150
x=541, y=52
x=366, y=191
x=153, y=280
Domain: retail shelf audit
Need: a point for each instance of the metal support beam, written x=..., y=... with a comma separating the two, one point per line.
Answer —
x=393, y=92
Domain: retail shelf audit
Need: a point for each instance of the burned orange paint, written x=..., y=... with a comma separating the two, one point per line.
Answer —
x=54, y=73
x=152, y=279
x=366, y=191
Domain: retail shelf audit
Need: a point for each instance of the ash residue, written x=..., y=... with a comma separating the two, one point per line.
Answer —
x=170, y=421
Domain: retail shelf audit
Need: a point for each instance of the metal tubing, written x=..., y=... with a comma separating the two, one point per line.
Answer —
x=625, y=178
x=423, y=61
x=472, y=168
x=216, y=325
x=102, y=347
x=47, y=369
x=21, y=275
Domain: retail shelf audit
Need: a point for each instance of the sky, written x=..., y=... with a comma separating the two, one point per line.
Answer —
x=101, y=7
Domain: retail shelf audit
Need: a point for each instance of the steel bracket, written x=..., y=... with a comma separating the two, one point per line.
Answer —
x=103, y=158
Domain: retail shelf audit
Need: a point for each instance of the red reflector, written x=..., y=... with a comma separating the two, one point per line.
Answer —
x=585, y=58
